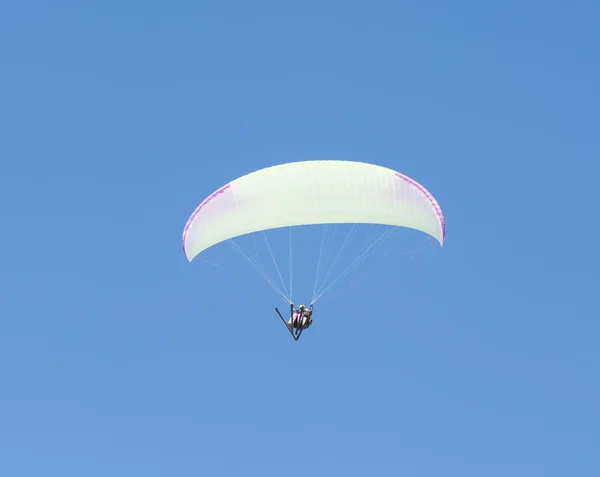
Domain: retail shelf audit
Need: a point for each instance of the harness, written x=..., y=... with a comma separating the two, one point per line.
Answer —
x=296, y=318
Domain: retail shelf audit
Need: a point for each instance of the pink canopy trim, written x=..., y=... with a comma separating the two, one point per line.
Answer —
x=199, y=208
x=434, y=203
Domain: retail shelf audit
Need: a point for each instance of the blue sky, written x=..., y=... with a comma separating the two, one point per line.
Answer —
x=118, y=357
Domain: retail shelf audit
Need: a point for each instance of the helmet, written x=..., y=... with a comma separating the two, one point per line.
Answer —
x=301, y=307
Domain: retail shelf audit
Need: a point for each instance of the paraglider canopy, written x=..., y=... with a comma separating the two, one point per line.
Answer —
x=310, y=193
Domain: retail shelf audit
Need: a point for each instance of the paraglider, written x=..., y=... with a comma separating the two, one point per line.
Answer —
x=338, y=192
x=300, y=319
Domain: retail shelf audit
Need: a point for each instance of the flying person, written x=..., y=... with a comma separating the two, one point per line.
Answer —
x=300, y=319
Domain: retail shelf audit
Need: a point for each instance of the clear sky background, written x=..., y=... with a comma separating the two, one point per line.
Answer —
x=119, y=358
